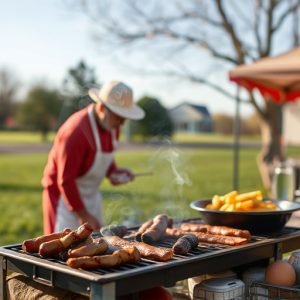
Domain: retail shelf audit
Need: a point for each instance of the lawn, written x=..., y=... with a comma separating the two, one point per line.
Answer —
x=16, y=137
x=179, y=177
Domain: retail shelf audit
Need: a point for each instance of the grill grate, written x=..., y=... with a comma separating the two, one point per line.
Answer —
x=203, y=248
x=100, y=271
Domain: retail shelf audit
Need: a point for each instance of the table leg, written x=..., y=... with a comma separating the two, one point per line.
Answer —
x=278, y=251
x=3, y=273
x=103, y=292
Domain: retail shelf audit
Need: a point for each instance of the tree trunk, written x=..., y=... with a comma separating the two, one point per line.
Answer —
x=272, y=143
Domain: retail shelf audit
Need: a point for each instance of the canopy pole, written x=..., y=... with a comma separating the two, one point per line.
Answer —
x=236, y=145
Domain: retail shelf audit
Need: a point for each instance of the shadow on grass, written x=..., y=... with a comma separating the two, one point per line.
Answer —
x=9, y=187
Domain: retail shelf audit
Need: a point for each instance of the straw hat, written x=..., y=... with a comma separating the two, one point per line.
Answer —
x=118, y=98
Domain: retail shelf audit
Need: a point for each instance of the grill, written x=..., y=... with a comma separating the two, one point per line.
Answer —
x=110, y=283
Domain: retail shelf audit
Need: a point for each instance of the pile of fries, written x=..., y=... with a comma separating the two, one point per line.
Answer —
x=251, y=201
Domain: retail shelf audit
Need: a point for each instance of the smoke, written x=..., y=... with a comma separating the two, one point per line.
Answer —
x=118, y=210
x=173, y=156
x=176, y=162
x=170, y=178
x=169, y=164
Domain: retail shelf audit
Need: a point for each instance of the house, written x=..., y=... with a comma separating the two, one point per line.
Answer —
x=191, y=118
x=291, y=123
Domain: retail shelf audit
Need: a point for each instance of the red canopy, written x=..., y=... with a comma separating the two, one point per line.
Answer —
x=277, y=77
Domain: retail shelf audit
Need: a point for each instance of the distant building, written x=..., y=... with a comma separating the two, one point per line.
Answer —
x=291, y=123
x=191, y=118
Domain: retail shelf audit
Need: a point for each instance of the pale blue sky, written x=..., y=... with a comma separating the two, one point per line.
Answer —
x=40, y=40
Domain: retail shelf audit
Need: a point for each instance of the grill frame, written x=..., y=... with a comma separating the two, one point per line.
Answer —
x=132, y=278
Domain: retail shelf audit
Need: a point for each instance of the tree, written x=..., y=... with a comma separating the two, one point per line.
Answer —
x=156, y=122
x=9, y=86
x=75, y=85
x=250, y=125
x=223, y=123
x=226, y=32
x=40, y=110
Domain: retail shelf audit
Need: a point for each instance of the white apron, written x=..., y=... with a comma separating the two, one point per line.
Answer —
x=88, y=184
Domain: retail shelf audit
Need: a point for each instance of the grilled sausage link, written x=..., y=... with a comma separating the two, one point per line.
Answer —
x=97, y=247
x=221, y=230
x=147, y=251
x=64, y=254
x=126, y=255
x=32, y=245
x=157, y=230
x=142, y=229
x=185, y=243
x=208, y=238
x=146, y=225
x=76, y=236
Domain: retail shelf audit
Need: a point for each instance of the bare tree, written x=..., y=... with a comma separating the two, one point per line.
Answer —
x=225, y=33
x=8, y=89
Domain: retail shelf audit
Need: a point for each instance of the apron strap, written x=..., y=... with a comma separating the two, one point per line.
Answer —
x=94, y=127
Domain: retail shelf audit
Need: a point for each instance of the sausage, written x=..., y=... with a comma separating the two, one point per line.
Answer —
x=208, y=238
x=63, y=255
x=58, y=245
x=97, y=247
x=145, y=226
x=185, y=243
x=146, y=251
x=221, y=239
x=32, y=245
x=122, y=256
x=157, y=230
x=220, y=230
x=142, y=229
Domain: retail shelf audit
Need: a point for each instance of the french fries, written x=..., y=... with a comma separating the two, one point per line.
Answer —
x=251, y=201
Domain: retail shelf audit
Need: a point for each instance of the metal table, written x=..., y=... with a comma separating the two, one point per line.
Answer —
x=131, y=278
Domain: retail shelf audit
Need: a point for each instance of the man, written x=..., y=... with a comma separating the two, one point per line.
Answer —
x=82, y=155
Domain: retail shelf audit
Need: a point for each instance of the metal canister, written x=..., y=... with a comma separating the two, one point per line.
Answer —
x=283, y=184
x=294, y=260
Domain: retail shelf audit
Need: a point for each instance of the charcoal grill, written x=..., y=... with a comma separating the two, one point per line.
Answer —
x=111, y=283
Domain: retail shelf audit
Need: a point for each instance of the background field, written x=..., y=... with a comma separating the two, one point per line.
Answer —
x=15, y=137
x=179, y=177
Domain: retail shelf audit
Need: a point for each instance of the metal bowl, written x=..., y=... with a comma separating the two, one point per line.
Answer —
x=255, y=222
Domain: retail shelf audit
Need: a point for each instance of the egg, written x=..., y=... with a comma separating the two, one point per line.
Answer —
x=280, y=272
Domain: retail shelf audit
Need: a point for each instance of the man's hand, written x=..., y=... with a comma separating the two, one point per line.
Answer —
x=121, y=176
x=84, y=216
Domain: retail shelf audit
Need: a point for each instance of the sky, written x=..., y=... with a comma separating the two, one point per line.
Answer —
x=41, y=40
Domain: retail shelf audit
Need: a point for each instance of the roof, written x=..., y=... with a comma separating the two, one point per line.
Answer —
x=201, y=108
x=189, y=112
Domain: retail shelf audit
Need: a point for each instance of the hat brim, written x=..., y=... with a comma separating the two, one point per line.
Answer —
x=132, y=113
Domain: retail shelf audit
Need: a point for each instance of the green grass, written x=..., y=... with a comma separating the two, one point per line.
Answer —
x=212, y=138
x=16, y=137
x=179, y=178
